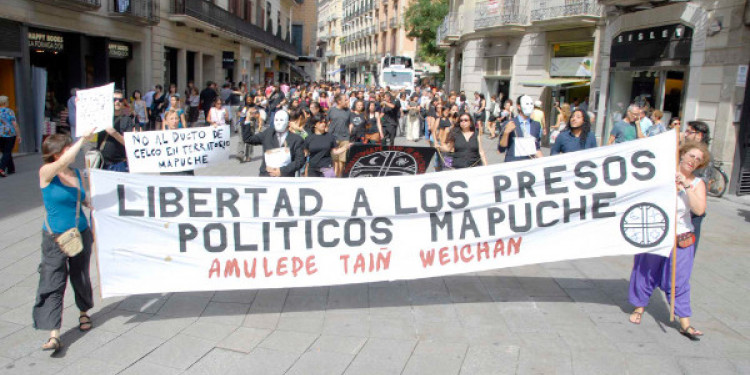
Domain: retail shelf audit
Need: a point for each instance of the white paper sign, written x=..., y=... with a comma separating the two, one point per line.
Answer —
x=94, y=109
x=177, y=150
x=175, y=233
x=741, y=76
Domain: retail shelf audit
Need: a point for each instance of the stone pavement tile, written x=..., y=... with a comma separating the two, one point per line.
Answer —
x=624, y=331
x=433, y=357
x=261, y=320
x=117, y=321
x=652, y=364
x=304, y=303
x=541, y=286
x=184, y=305
x=320, y=291
x=441, y=331
x=288, y=341
x=17, y=296
x=563, y=313
x=491, y=359
x=598, y=362
x=22, y=342
x=513, y=296
x=209, y=331
x=525, y=320
x=179, y=352
x=609, y=317
x=19, y=315
x=466, y=289
x=76, y=345
x=90, y=366
x=263, y=361
x=389, y=300
x=428, y=291
x=306, y=321
x=535, y=361
x=149, y=304
x=322, y=363
x=338, y=344
x=352, y=296
x=479, y=315
x=236, y=296
x=244, y=339
x=694, y=365
x=349, y=323
x=585, y=337
x=218, y=362
x=26, y=366
x=490, y=335
x=543, y=342
x=441, y=312
x=382, y=356
x=742, y=365
x=266, y=308
x=393, y=328
x=126, y=349
x=226, y=313
x=162, y=326
x=6, y=328
x=146, y=368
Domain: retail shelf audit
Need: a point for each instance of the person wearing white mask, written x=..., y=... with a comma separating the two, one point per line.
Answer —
x=521, y=127
x=278, y=137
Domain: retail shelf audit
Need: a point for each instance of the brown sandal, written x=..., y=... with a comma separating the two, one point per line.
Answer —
x=84, y=323
x=53, y=344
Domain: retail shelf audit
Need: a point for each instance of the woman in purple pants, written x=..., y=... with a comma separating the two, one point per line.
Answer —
x=651, y=271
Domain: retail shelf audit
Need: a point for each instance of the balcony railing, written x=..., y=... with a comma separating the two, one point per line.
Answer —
x=139, y=11
x=383, y=25
x=218, y=17
x=394, y=22
x=82, y=5
x=448, y=29
x=566, y=8
x=498, y=13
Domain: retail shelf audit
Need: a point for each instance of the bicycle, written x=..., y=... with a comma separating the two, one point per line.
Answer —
x=716, y=179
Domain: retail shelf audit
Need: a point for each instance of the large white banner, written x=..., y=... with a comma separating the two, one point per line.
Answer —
x=173, y=233
x=94, y=109
x=177, y=150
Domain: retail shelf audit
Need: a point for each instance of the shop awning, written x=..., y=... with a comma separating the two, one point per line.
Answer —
x=554, y=82
x=301, y=72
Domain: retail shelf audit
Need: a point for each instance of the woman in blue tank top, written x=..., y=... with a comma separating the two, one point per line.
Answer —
x=60, y=191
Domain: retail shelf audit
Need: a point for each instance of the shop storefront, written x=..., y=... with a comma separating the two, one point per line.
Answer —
x=649, y=67
x=11, y=57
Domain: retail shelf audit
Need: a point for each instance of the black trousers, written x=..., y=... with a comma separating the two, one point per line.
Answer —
x=54, y=271
x=389, y=134
x=6, y=147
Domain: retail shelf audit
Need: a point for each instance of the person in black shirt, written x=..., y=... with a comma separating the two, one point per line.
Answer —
x=110, y=141
x=391, y=111
x=373, y=132
x=357, y=125
x=319, y=146
x=207, y=97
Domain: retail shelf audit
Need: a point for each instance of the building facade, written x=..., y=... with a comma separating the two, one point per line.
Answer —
x=329, y=40
x=688, y=59
x=50, y=46
x=546, y=49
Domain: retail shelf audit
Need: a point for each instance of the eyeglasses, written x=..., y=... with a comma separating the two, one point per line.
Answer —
x=691, y=132
x=116, y=100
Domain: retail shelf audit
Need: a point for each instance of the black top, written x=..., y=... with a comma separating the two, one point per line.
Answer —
x=208, y=95
x=157, y=107
x=248, y=129
x=358, y=131
x=432, y=112
x=466, y=153
x=444, y=123
x=112, y=150
x=390, y=115
x=320, y=146
x=371, y=125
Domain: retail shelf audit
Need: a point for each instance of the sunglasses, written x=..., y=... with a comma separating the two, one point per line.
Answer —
x=121, y=100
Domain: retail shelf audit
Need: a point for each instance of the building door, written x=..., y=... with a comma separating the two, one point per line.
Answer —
x=191, y=68
x=170, y=67
x=743, y=145
x=118, y=74
x=297, y=39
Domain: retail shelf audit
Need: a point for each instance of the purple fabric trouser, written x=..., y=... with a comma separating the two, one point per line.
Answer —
x=651, y=271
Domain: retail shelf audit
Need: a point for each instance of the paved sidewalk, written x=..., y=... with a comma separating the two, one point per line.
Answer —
x=565, y=317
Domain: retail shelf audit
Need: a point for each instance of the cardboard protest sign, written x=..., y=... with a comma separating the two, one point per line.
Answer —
x=177, y=233
x=177, y=150
x=94, y=109
x=367, y=160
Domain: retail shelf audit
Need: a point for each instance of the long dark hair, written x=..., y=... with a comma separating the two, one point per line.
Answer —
x=457, y=129
x=585, y=128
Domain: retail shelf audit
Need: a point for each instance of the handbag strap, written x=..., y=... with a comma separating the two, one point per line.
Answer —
x=78, y=205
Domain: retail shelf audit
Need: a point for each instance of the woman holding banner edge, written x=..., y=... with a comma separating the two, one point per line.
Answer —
x=465, y=144
x=63, y=194
x=650, y=270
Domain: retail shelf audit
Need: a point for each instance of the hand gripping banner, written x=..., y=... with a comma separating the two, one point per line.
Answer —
x=175, y=233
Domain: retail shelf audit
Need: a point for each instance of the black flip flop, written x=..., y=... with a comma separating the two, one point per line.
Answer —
x=81, y=322
x=692, y=336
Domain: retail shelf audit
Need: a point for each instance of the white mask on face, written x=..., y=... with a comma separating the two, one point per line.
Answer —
x=527, y=105
x=281, y=121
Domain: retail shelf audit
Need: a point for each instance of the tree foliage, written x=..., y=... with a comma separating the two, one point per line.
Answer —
x=422, y=20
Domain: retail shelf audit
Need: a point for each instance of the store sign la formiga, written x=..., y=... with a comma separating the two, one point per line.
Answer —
x=47, y=41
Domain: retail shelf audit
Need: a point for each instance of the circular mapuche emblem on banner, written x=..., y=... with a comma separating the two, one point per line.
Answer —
x=384, y=163
x=644, y=225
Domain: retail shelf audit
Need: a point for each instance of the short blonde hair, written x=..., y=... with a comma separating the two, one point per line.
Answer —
x=700, y=146
x=3, y=100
